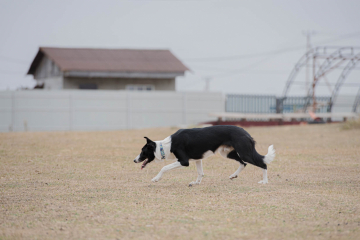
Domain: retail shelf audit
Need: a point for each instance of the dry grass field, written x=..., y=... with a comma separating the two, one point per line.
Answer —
x=85, y=185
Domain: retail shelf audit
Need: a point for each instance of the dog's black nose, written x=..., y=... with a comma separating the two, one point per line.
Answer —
x=135, y=161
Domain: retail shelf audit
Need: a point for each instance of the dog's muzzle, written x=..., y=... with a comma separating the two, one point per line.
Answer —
x=136, y=160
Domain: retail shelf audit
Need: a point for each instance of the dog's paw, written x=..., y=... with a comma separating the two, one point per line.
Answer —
x=233, y=176
x=155, y=179
x=193, y=183
x=263, y=182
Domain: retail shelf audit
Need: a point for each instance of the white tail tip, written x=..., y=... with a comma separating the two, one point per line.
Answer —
x=269, y=157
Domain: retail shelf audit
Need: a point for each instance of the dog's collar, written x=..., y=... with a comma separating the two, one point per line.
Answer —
x=162, y=151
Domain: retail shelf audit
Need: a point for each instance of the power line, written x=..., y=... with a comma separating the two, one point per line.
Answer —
x=244, y=56
x=14, y=60
x=246, y=68
x=217, y=76
x=267, y=53
x=211, y=68
x=11, y=72
x=259, y=72
x=352, y=84
x=345, y=36
x=242, y=70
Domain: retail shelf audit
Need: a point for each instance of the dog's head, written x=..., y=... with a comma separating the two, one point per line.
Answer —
x=147, y=153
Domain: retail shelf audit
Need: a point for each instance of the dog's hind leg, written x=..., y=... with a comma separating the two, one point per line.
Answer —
x=236, y=173
x=265, y=178
x=235, y=156
x=268, y=158
x=200, y=172
x=249, y=154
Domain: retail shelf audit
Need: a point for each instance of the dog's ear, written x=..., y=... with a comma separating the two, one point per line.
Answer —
x=150, y=143
x=148, y=140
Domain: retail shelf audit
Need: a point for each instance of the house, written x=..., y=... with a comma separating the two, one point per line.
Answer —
x=89, y=68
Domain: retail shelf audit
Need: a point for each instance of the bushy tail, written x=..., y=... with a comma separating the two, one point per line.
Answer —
x=269, y=157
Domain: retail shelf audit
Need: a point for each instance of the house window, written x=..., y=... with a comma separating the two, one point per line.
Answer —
x=140, y=87
x=88, y=86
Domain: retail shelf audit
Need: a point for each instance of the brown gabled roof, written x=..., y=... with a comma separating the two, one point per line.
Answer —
x=110, y=60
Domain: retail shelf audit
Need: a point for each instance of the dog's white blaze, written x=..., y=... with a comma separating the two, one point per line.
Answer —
x=137, y=158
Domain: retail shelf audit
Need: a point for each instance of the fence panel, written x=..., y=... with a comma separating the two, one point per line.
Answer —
x=97, y=110
x=40, y=111
x=6, y=111
x=155, y=110
x=297, y=104
x=78, y=110
x=251, y=103
x=269, y=103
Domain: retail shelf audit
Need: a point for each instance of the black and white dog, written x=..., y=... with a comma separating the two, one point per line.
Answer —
x=199, y=143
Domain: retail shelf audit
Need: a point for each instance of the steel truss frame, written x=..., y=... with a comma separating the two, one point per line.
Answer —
x=332, y=58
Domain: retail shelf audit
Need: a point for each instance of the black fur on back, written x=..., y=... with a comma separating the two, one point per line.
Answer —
x=193, y=143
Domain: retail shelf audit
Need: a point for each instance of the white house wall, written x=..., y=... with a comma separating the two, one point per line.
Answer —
x=49, y=74
x=91, y=110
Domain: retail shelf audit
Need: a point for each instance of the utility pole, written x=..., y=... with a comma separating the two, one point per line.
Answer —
x=207, y=84
x=308, y=35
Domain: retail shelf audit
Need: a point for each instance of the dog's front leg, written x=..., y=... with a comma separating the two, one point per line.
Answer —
x=200, y=172
x=165, y=169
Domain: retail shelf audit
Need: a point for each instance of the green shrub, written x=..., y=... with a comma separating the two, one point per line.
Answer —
x=351, y=124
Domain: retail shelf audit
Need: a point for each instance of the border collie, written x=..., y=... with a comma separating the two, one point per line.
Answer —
x=199, y=143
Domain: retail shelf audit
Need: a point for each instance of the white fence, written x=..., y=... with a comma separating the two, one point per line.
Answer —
x=344, y=103
x=39, y=110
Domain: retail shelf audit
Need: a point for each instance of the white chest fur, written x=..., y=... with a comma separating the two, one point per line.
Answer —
x=166, y=144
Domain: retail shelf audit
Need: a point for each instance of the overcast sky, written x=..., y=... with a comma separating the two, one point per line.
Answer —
x=225, y=40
